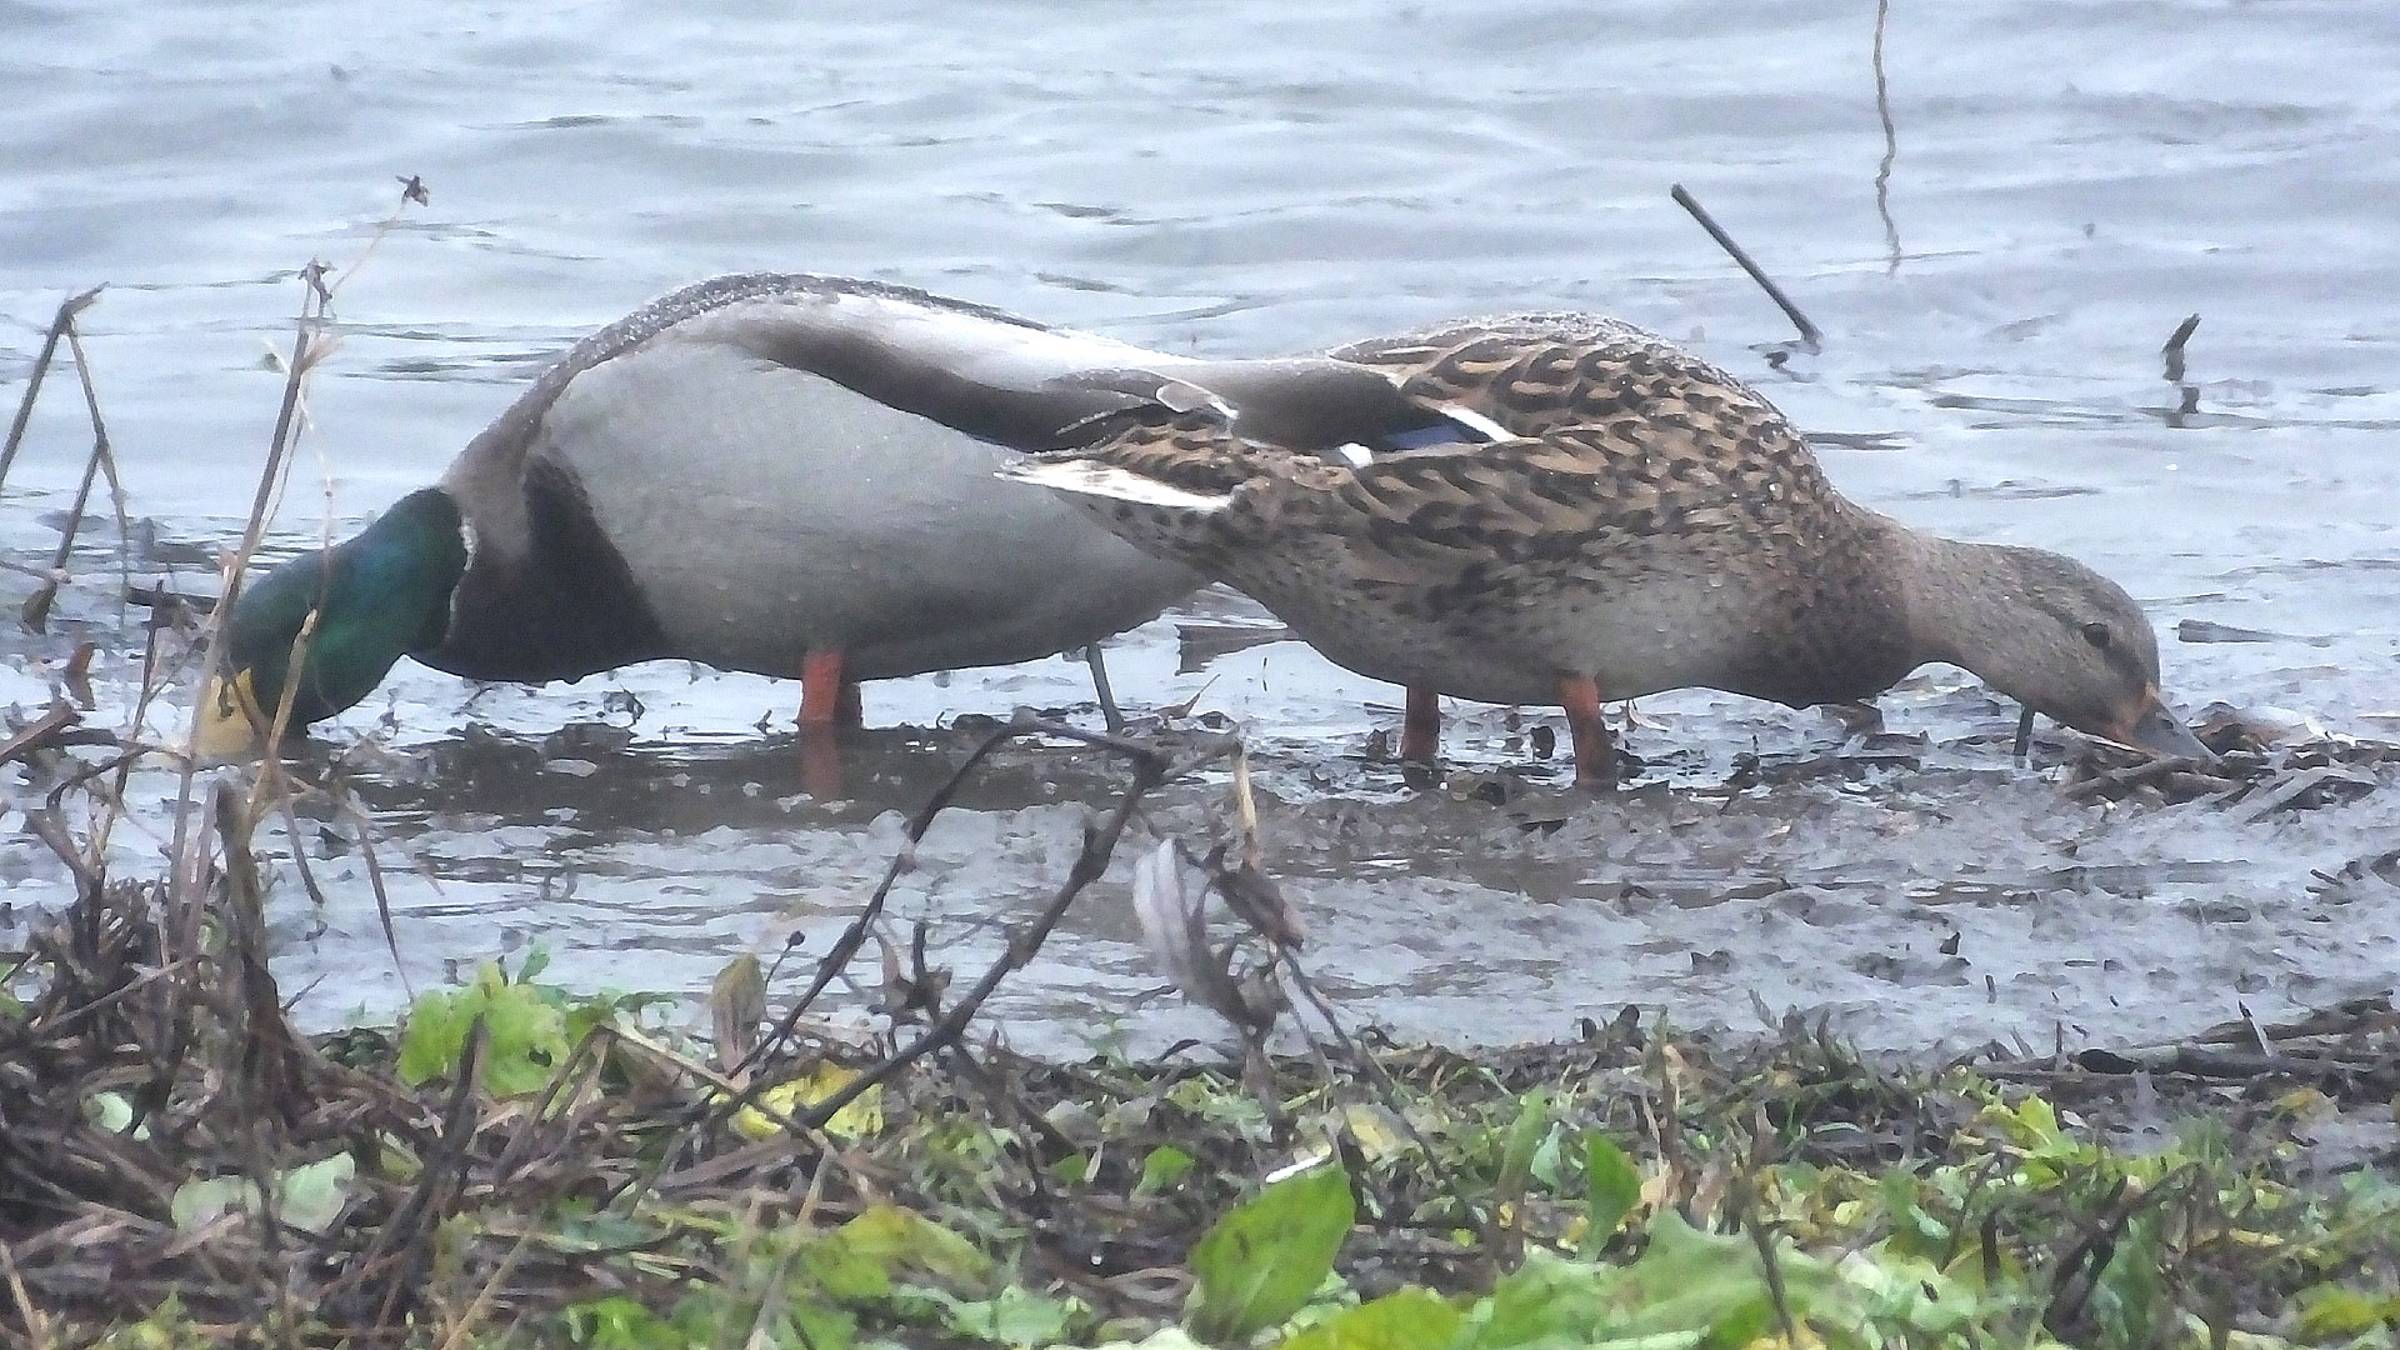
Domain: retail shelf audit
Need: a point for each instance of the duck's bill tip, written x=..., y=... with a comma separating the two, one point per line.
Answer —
x=224, y=729
x=2157, y=728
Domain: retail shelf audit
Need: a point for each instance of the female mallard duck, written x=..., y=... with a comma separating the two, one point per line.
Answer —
x=1649, y=523
x=783, y=474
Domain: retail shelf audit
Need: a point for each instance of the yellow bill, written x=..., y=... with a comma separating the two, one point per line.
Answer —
x=229, y=719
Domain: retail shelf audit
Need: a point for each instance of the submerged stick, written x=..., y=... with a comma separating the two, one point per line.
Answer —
x=34, y=733
x=1891, y=140
x=104, y=448
x=67, y=310
x=1808, y=331
x=103, y=459
x=2173, y=351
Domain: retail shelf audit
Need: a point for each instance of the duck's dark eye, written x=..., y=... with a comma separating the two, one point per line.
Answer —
x=2096, y=634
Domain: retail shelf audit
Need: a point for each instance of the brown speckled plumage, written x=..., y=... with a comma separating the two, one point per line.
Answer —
x=1652, y=523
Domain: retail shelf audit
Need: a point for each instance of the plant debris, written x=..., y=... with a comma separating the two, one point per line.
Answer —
x=516, y=1162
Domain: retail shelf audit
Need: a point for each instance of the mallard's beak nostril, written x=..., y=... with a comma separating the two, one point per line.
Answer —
x=2155, y=727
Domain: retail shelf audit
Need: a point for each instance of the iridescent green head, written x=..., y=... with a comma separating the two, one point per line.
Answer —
x=377, y=598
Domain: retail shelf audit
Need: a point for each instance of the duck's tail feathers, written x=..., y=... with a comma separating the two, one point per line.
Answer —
x=1079, y=477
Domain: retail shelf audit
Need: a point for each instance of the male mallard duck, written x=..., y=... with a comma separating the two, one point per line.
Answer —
x=1650, y=523
x=784, y=474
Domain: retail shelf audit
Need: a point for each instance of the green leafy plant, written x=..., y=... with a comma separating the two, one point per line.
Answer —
x=525, y=1033
x=1260, y=1262
x=308, y=1197
x=529, y=1028
x=1611, y=1187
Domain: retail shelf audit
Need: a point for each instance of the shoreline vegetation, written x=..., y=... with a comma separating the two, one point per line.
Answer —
x=516, y=1163
x=522, y=1164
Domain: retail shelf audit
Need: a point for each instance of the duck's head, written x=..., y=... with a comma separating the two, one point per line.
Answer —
x=377, y=597
x=2056, y=636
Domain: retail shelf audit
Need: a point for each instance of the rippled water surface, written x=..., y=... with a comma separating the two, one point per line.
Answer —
x=1996, y=250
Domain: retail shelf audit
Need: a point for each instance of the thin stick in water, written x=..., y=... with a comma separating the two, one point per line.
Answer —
x=1891, y=140
x=1808, y=331
x=103, y=458
x=67, y=310
x=2173, y=351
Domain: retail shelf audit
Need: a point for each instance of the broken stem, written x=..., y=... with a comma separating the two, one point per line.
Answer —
x=2173, y=351
x=103, y=458
x=67, y=310
x=1808, y=331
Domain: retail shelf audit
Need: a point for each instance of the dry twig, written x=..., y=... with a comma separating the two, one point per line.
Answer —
x=1809, y=335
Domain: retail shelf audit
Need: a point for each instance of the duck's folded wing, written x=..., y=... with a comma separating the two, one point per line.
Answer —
x=1014, y=382
x=1536, y=373
x=1440, y=510
x=1569, y=498
x=992, y=375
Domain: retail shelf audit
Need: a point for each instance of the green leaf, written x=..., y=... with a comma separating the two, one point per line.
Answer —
x=1888, y=1286
x=1547, y=1298
x=1258, y=1264
x=1547, y=1159
x=1015, y=1317
x=308, y=1198
x=582, y=1015
x=817, y=1328
x=620, y=1323
x=1524, y=1138
x=1406, y=1319
x=109, y=1111
x=894, y=1238
x=1611, y=1187
x=843, y=1273
x=1715, y=1284
x=1165, y=1166
x=1218, y=1103
x=526, y=1034
x=1926, y=1234
x=715, y=1316
x=2126, y=1299
x=1688, y=1289
x=200, y=1202
x=2332, y=1311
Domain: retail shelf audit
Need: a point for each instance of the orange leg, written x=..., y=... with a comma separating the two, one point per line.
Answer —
x=820, y=763
x=823, y=694
x=1421, y=730
x=1595, y=749
x=828, y=703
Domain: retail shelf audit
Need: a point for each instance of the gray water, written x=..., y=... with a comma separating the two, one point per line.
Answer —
x=1996, y=249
